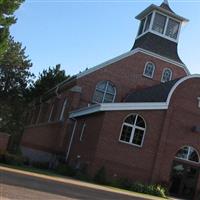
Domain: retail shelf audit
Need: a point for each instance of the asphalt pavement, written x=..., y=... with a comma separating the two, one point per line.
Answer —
x=30, y=186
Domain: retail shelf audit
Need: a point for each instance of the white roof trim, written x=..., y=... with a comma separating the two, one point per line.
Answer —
x=178, y=83
x=109, y=62
x=130, y=106
x=164, y=59
x=129, y=53
x=118, y=107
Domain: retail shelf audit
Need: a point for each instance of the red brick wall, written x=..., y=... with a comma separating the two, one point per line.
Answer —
x=87, y=147
x=126, y=75
x=44, y=137
x=182, y=115
x=4, y=139
x=119, y=159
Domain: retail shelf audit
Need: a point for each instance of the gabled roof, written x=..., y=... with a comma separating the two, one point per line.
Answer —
x=157, y=93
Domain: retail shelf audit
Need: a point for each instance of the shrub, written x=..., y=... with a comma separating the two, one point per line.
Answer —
x=100, y=176
x=123, y=183
x=40, y=165
x=13, y=159
x=137, y=187
x=65, y=170
x=155, y=190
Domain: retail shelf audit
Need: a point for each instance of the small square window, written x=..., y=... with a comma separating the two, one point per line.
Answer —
x=141, y=27
x=159, y=23
x=172, y=29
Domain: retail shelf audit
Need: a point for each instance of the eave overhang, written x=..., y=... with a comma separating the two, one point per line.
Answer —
x=152, y=7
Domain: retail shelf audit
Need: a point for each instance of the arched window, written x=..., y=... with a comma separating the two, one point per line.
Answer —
x=166, y=75
x=133, y=130
x=105, y=92
x=149, y=70
x=188, y=153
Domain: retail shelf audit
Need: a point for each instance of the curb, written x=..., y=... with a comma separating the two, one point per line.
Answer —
x=68, y=180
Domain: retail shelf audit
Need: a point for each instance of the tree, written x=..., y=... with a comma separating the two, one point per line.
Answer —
x=15, y=78
x=7, y=8
x=47, y=80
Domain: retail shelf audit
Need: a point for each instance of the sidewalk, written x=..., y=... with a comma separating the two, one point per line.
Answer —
x=80, y=183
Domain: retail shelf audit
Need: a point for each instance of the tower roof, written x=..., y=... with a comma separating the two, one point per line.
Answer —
x=158, y=45
x=164, y=8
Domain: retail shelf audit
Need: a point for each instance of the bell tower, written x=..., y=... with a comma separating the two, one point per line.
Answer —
x=159, y=31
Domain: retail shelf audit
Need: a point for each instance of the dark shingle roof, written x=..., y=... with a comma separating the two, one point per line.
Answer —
x=166, y=7
x=157, y=93
x=158, y=45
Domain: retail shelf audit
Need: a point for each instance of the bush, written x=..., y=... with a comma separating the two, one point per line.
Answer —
x=123, y=183
x=155, y=190
x=100, y=176
x=40, y=165
x=65, y=170
x=12, y=159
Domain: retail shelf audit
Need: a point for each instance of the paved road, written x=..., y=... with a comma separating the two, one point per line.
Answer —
x=24, y=187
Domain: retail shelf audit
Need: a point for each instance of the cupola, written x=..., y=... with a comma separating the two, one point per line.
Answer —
x=159, y=30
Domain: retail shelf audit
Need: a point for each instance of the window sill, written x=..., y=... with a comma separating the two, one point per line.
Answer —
x=135, y=145
x=148, y=76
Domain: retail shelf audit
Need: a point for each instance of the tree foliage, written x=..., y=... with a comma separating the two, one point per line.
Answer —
x=7, y=8
x=48, y=79
x=15, y=78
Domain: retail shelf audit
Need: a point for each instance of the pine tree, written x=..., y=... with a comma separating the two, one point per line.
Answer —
x=7, y=9
x=15, y=78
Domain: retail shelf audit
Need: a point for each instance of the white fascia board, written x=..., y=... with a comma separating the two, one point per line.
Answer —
x=127, y=54
x=85, y=111
x=109, y=62
x=118, y=107
x=178, y=83
x=133, y=106
x=164, y=59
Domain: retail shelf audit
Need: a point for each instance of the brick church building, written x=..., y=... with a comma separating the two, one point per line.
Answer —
x=138, y=114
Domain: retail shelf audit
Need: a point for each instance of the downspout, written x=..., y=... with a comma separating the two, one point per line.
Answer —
x=71, y=139
x=56, y=92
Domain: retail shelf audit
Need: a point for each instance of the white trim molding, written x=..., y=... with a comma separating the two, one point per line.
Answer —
x=127, y=54
x=178, y=83
x=117, y=107
x=153, y=69
x=130, y=106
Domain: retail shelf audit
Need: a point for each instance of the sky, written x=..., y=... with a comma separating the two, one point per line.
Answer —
x=80, y=34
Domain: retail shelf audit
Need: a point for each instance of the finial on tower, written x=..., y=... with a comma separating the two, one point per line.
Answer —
x=166, y=2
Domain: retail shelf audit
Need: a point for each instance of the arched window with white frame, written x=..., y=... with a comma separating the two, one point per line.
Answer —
x=105, y=92
x=149, y=70
x=166, y=75
x=188, y=153
x=133, y=130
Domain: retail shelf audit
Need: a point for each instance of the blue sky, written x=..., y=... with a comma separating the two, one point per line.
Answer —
x=81, y=34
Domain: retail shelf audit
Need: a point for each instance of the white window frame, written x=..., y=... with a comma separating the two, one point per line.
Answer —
x=82, y=132
x=38, y=117
x=145, y=70
x=150, y=25
x=187, y=159
x=163, y=75
x=133, y=130
x=165, y=28
x=104, y=92
x=51, y=112
x=63, y=109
